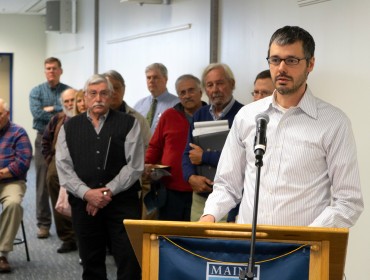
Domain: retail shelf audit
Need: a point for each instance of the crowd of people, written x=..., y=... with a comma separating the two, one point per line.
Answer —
x=104, y=153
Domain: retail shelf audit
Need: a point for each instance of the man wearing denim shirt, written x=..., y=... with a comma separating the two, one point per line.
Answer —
x=44, y=104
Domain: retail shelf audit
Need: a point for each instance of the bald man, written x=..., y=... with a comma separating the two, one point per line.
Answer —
x=63, y=224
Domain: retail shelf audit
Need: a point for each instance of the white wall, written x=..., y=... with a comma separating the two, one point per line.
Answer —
x=185, y=51
x=24, y=37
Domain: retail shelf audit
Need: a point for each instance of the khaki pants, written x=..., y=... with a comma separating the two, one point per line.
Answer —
x=63, y=224
x=11, y=196
x=197, y=208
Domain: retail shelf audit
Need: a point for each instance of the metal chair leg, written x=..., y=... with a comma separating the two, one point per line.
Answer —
x=23, y=240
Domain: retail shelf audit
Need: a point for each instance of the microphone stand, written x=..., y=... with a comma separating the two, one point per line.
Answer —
x=249, y=273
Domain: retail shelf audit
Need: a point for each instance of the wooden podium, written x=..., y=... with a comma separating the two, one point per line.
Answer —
x=328, y=245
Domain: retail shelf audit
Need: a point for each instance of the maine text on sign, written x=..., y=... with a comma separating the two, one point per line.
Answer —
x=219, y=271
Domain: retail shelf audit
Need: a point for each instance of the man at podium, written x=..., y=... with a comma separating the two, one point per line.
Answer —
x=310, y=175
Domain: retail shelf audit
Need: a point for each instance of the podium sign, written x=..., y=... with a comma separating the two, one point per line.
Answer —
x=327, y=245
x=184, y=258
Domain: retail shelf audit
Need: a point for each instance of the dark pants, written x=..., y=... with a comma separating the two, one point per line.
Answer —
x=43, y=212
x=63, y=224
x=177, y=207
x=107, y=224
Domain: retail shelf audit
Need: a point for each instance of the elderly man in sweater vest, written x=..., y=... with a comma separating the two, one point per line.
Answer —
x=100, y=158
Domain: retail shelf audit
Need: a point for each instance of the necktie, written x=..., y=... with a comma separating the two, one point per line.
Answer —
x=151, y=112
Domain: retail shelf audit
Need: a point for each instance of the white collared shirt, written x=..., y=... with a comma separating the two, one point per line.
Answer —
x=310, y=175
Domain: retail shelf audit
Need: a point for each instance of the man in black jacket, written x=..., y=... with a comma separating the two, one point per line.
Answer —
x=100, y=158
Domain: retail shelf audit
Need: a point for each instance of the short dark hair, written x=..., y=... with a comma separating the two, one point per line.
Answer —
x=288, y=35
x=265, y=74
x=53, y=60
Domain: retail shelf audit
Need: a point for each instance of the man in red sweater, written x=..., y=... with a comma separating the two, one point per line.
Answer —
x=167, y=145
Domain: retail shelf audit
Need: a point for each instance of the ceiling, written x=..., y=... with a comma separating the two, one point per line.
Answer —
x=23, y=7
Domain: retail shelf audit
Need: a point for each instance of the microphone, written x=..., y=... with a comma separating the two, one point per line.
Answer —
x=260, y=140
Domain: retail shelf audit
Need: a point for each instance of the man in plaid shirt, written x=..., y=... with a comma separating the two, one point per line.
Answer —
x=15, y=158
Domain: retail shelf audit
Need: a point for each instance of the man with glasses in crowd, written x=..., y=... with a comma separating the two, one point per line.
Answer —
x=100, y=158
x=167, y=145
x=263, y=85
x=310, y=176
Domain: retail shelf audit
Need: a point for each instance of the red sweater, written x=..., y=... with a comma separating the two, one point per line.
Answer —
x=167, y=146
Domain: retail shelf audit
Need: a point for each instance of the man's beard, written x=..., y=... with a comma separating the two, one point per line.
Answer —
x=69, y=113
x=283, y=90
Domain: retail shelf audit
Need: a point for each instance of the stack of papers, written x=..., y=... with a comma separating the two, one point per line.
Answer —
x=211, y=137
x=201, y=128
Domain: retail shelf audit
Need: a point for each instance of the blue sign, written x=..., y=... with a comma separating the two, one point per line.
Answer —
x=215, y=259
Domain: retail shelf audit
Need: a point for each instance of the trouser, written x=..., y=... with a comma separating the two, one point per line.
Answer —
x=94, y=231
x=43, y=212
x=197, y=208
x=177, y=206
x=11, y=196
x=145, y=188
x=63, y=224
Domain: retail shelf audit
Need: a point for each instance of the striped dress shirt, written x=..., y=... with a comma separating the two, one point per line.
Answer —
x=310, y=175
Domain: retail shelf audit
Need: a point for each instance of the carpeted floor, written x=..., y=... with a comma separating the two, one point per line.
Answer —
x=45, y=262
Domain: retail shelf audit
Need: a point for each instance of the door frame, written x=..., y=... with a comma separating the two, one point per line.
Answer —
x=8, y=73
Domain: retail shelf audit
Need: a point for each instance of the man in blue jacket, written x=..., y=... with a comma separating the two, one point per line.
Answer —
x=219, y=83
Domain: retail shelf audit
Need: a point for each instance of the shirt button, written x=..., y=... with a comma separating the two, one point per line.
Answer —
x=98, y=152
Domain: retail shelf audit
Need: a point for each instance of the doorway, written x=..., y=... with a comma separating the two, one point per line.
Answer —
x=6, y=79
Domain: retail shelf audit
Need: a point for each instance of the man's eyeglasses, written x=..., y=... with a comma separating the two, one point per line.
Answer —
x=94, y=94
x=189, y=91
x=288, y=61
x=261, y=92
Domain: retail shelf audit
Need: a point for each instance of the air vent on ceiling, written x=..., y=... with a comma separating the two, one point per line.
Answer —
x=304, y=3
x=141, y=2
x=38, y=7
x=61, y=16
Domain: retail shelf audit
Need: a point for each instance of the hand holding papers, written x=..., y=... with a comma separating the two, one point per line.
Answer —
x=157, y=196
x=158, y=171
x=210, y=136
